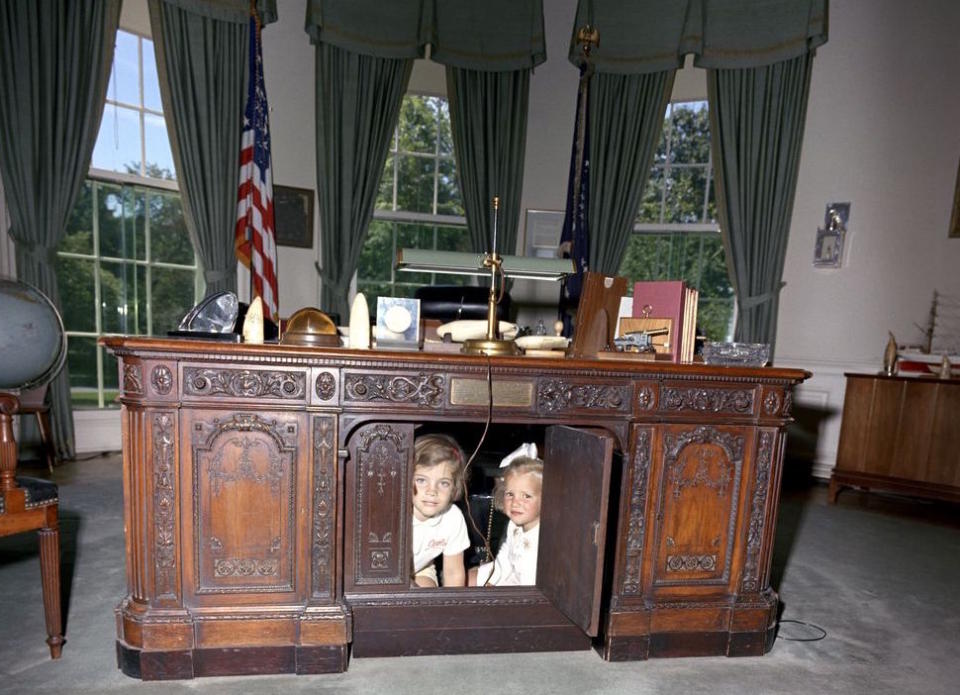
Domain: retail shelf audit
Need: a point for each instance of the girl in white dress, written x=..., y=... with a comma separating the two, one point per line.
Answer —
x=517, y=494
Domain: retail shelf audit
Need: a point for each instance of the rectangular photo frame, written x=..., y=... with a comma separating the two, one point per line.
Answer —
x=293, y=213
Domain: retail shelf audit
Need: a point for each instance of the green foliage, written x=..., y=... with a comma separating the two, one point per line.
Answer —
x=419, y=176
x=680, y=191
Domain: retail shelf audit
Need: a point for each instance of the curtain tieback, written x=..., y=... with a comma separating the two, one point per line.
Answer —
x=756, y=300
x=218, y=275
x=336, y=286
x=40, y=253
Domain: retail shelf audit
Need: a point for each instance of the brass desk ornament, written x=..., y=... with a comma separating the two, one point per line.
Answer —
x=890, y=356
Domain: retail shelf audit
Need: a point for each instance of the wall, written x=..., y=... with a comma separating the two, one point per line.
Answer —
x=881, y=133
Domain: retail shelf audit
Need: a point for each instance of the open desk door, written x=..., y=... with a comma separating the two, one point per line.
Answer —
x=573, y=522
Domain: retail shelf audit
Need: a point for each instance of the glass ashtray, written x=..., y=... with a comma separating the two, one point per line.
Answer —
x=740, y=354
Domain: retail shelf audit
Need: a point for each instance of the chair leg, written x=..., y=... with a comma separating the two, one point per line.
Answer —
x=46, y=439
x=50, y=576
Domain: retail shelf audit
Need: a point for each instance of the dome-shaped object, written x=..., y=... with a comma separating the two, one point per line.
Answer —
x=33, y=345
x=309, y=326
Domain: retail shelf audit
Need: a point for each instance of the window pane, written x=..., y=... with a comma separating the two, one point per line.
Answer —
x=690, y=133
x=111, y=375
x=118, y=142
x=121, y=222
x=686, y=189
x=124, y=80
x=151, y=85
x=418, y=125
x=159, y=156
x=78, y=237
x=169, y=239
x=172, y=295
x=448, y=193
x=122, y=297
x=385, y=194
x=377, y=254
x=453, y=239
x=415, y=184
x=651, y=204
x=416, y=236
x=372, y=290
x=75, y=278
x=714, y=318
x=445, y=144
x=82, y=363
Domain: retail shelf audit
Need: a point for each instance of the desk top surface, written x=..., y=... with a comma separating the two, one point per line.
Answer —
x=293, y=355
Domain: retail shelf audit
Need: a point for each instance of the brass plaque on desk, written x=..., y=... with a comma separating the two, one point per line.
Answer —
x=509, y=394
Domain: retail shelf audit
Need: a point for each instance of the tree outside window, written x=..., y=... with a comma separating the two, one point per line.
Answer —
x=418, y=205
x=126, y=264
x=676, y=235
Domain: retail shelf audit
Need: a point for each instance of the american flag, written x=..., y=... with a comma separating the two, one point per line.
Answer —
x=254, y=239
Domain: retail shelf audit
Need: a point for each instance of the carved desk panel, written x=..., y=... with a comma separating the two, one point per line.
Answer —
x=267, y=505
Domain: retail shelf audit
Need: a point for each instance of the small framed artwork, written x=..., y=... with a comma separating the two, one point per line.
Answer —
x=955, y=216
x=541, y=232
x=828, y=251
x=293, y=216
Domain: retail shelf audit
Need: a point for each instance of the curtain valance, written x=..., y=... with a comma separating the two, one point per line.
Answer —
x=496, y=35
x=236, y=11
x=640, y=36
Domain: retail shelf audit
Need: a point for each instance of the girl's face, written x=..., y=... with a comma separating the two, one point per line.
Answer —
x=521, y=499
x=432, y=490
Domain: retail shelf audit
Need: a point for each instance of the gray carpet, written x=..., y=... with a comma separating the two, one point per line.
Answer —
x=879, y=574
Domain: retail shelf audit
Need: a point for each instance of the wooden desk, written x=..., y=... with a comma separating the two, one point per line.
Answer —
x=900, y=434
x=267, y=506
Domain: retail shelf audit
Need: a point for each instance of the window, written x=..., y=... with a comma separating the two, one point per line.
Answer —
x=126, y=264
x=676, y=235
x=418, y=205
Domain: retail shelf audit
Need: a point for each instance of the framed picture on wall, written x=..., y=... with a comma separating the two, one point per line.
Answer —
x=955, y=216
x=293, y=216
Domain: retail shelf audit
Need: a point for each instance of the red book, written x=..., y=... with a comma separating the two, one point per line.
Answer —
x=665, y=299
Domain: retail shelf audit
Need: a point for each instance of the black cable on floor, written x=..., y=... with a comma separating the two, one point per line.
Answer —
x=819, y=634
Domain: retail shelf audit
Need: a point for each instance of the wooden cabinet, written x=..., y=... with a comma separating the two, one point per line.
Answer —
x=267, y=506
x=900, y=434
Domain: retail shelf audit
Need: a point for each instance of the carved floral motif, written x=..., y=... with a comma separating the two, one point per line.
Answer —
x=751, y=574
x=646, y=398
x=161, y=378
x=164, y=503
x=422, y=389
x=771, y=403
x=638, y=503
x=244, y=383
x=703, y=399
x=554, y=395
x=326, y=386
x=323, y=501
x=691, y=563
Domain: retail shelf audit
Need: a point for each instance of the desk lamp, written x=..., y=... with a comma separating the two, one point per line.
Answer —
x=466, y=263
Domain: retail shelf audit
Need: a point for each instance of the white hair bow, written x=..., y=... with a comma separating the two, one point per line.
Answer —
x=528, y=449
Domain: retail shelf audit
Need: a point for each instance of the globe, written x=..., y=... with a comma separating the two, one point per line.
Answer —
x=32, y=343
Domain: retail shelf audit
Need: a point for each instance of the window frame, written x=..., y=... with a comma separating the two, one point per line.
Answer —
x=395, y=216
x=97, y=178
x=704, y=226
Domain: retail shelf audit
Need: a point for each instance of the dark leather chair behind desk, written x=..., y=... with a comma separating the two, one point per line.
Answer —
x=455, y=302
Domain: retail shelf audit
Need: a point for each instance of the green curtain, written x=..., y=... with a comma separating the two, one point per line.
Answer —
x=494, y=35
x=202, y=65
x=233, y=11
x=626, y=118
x=652, y=35
x=358, y=101
x=488, y=119
x=757, y=117
x=55, y=59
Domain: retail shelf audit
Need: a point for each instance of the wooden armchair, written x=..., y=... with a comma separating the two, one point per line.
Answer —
x=27, y=504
